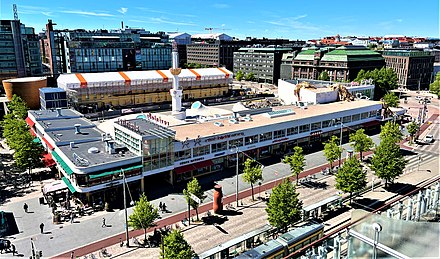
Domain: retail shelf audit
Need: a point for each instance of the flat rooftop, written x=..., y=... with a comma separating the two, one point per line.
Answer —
x=49, y=114
x=69, y=135
x=206, y=129
x=54, y=124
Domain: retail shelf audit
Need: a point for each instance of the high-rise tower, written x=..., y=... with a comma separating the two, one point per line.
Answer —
x=176, y=91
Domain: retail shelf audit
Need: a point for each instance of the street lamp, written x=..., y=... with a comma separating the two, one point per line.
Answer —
x=30, y=165
x=124, y=182
x=377, y=228
x=340, y=141
x=236, y=176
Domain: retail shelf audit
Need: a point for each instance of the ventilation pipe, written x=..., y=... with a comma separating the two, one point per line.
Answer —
x=111, y=147
x=103, y=135
x=77, y=128
x=72, y=145
x=59, y=112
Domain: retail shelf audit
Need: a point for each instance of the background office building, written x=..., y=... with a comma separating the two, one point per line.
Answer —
x=19, y=50
x=81, y=51
x=414, y=68
x=182, y=40
x=264, y=63
x=342, y=63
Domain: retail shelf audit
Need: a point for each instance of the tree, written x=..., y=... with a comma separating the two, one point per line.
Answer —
x=239, y=75
x=252, y=173
x=391, y=100
x=323, y=76
x=412, y=129
x=193, y=187
x=332, y=150
x=350, y=177
x=384, y=80
x=18, y=107
x=250, y=77
x=435, y=86
x=361, y=142
x=392, y=130
x=387, y=161
x=284, y=207
x=174, y=246
x=143, y=216
x=296, y=162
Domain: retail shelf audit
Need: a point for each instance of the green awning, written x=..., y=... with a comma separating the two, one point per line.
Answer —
x=69, y=185
x=63, y=164
x=94, y=176
x=36, y=140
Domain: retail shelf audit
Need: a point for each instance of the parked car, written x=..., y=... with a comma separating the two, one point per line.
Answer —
x=428, y=139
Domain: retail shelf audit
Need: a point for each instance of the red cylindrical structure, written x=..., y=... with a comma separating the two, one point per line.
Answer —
x=217, y=205
x=28, y=88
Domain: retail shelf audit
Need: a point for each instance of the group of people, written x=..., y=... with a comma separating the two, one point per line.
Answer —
x=162, y=207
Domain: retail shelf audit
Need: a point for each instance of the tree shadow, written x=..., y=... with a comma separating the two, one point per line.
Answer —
x=230, y=213
x=214, y=220
x=401, y=188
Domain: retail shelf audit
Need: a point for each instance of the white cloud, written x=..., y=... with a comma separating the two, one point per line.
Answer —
x=220, y=6
x=49, y=14
x=161, y=20
x=164, y=12
x=88, y=13
x=123, y=10
x=399, y=20
x=294, y=23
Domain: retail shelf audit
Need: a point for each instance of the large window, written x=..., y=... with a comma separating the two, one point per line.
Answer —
x=327, y=123
x=236, y=143
x=346, y=119
x=304, y=128
x=279, y=133
x=265, y=136
x=356, y=117
x=316, y=126
x=364, y=115
x=184, y=154
x=251, y=140
x=219, y=147
x=292, y=131
x=200, y=151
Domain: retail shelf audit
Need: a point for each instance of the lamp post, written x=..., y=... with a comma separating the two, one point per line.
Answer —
x=236, y=176
x=125, y=209
x=30, y=165
x=340, y=146
x=377, y=228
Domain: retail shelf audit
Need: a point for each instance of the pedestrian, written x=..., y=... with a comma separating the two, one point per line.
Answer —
x=72, y=217
x=25, y=207
x=164, y=207
x=42, y=228
x=103, y=223
x=160, y=205
x=13, y=249
x=72, y=255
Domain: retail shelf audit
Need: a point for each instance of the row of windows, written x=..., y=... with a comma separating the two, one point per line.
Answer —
x=217, y=147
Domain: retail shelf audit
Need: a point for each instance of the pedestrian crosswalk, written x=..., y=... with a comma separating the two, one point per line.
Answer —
x=414, y=161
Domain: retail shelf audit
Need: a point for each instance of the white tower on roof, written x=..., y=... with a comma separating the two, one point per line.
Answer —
x=176, y=91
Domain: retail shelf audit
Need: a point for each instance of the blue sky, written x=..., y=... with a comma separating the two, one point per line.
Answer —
x=293, y=19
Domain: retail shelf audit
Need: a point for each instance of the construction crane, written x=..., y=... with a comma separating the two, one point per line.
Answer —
x=14, y=9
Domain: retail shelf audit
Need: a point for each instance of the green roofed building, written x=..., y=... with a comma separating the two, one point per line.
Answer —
x=341, y=64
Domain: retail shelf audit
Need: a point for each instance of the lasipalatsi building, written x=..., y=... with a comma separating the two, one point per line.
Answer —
x=121, y=89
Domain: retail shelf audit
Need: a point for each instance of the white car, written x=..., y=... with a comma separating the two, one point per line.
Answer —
x=428, y=139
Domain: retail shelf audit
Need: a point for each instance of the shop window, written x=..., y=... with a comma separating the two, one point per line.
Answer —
x=279, y=133
x=266, y=136
x=219, y=147
x=292, y=131
x=251, y=140
x=327, y=123
x=316, y=126
x=364, y=115
x=200, y=151
x=346, y=119
x=184, y=154
x=356, y=117
x=304, y=128
x=236, y=143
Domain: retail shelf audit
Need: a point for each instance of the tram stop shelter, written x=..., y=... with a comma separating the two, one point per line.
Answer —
x=316, y=210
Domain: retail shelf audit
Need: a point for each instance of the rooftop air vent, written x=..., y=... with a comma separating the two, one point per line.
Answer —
x=59, y=112
x=247, y=118
x=77, y=128
x=93, y=150
x=233, y=121
x=59, y=135
x=218, y=124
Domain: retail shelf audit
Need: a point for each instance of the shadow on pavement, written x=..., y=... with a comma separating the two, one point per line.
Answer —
x=367, y=204
x=401, y=188
x=214, y=220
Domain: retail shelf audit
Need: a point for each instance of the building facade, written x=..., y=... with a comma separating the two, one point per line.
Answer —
x=52, y=98
x=19, y=50
x=341, y=64
x=264, y=63
x=137, y=88
x=414, y=68
x=80, y=51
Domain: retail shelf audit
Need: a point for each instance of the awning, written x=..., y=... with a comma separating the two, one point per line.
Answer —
x=30, y=122
x=94, y=176
x=36, y=140
x=47, y=143
x=63, y=164
x=48, y=160
x=370, y=124
x=33, y=132
x=69, y=185
x=54, y=186
x=191, y=167
x=321, y=203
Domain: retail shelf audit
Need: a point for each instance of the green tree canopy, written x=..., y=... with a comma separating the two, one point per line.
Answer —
x=435, y=86
x=193, y=187
x=174, y=246
x=252, y=173
x=18, y=107
x=387, y=161
x=332, y=150
x=350, y=177
x=392, y=130
x=143, y=216
x=324, y=76
x=239, y=75
x=412, y=129
x=361, y=142
x=250, y=77
x=296, y=162
x=391, y=100
x=384, y=80
x=284, y=208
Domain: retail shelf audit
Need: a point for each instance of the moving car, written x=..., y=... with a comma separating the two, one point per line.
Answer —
x=428, y=139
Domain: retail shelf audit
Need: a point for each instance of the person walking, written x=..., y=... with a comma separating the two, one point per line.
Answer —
x=160, y=206
x=13, y=250
x=25, y=207
x=72, y=217
x=72, y=255
x=42, y=228
x=103, y=223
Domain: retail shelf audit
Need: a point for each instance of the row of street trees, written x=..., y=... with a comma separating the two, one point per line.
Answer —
x=16, y=132
x=240, y=75
x=385, y=80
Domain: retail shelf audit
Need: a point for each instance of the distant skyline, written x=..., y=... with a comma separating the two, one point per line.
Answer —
x=271, y=19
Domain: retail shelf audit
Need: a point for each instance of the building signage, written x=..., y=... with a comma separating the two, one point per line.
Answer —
x=280, y=140
x=220, y=154
x=226, y=136
x=192, y=160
